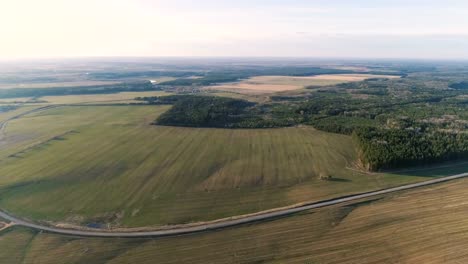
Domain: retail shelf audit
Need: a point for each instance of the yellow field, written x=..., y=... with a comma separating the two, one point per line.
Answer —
x=267, y=84
x=351, y=68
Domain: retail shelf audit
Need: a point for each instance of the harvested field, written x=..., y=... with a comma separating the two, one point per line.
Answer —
x=419, y=226
x=287, y=83
x=351, y=77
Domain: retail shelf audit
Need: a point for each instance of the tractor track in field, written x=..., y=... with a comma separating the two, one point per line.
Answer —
x=207, y=226
x=222, y=224
x=3, y=124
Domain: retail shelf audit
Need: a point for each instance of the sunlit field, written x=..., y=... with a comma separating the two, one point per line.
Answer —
x=108, y=164
x=419, y=226
x=270, y=84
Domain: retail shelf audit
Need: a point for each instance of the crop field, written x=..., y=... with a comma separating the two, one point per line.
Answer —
x=54, y=84
x=426, y=225
x=107, y=164
x=288, y=83
x=72, y=81
x=114, y=98
x=7, y=114
x=16, y=100
x=123, y=97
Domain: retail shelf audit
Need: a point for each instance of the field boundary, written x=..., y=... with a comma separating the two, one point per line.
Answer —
x=217, y=224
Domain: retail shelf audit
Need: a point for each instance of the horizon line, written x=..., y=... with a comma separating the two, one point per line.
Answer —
x=34, y=58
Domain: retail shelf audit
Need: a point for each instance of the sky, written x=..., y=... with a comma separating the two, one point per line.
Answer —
x=424, y=29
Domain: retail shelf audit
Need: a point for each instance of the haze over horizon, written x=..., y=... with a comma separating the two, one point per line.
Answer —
x=258, y=28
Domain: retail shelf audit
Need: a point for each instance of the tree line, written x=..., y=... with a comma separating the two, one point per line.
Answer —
x=393, y=148
x=136, y=86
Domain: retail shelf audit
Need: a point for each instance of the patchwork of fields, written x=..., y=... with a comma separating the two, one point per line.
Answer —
x=420, y=226
x=287, y=83
x=98, y=161
x=107, y=164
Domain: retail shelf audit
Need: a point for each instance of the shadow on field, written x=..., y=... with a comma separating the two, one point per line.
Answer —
x=442, y=169
x=339, y=180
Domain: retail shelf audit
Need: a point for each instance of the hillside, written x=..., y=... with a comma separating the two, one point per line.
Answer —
x=418, y=226
x=109, y=165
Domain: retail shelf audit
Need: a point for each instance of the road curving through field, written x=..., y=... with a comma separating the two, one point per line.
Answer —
x=4, y=123
x=225, y=223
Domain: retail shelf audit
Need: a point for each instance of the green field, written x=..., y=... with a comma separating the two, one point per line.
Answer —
x=111, y=98
x=426, y=225
x=8, y=114
x=107, y=164
x=96, y=161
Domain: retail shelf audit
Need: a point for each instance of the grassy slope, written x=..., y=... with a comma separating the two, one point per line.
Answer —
x=420, y=226
x=112, y=166
x=13, y=141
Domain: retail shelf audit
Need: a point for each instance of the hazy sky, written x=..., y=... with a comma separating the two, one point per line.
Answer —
x=292, y=28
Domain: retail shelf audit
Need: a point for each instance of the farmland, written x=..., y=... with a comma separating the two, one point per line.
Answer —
x=55, y=84
x=123, y=97
x=418, y=226
x=163, y=149
x=107, y=164
x=270, y=84
x=113, y=98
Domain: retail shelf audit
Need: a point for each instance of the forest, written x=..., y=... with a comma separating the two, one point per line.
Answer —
x=394, y=148
x=395, y=123
x=203, y=111
x=459, y=86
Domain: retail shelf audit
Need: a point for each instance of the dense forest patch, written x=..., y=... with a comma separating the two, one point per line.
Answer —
x=414, y=104
x=459, y=86
x=392, y=148
x=204, y=111
x=214, y=111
